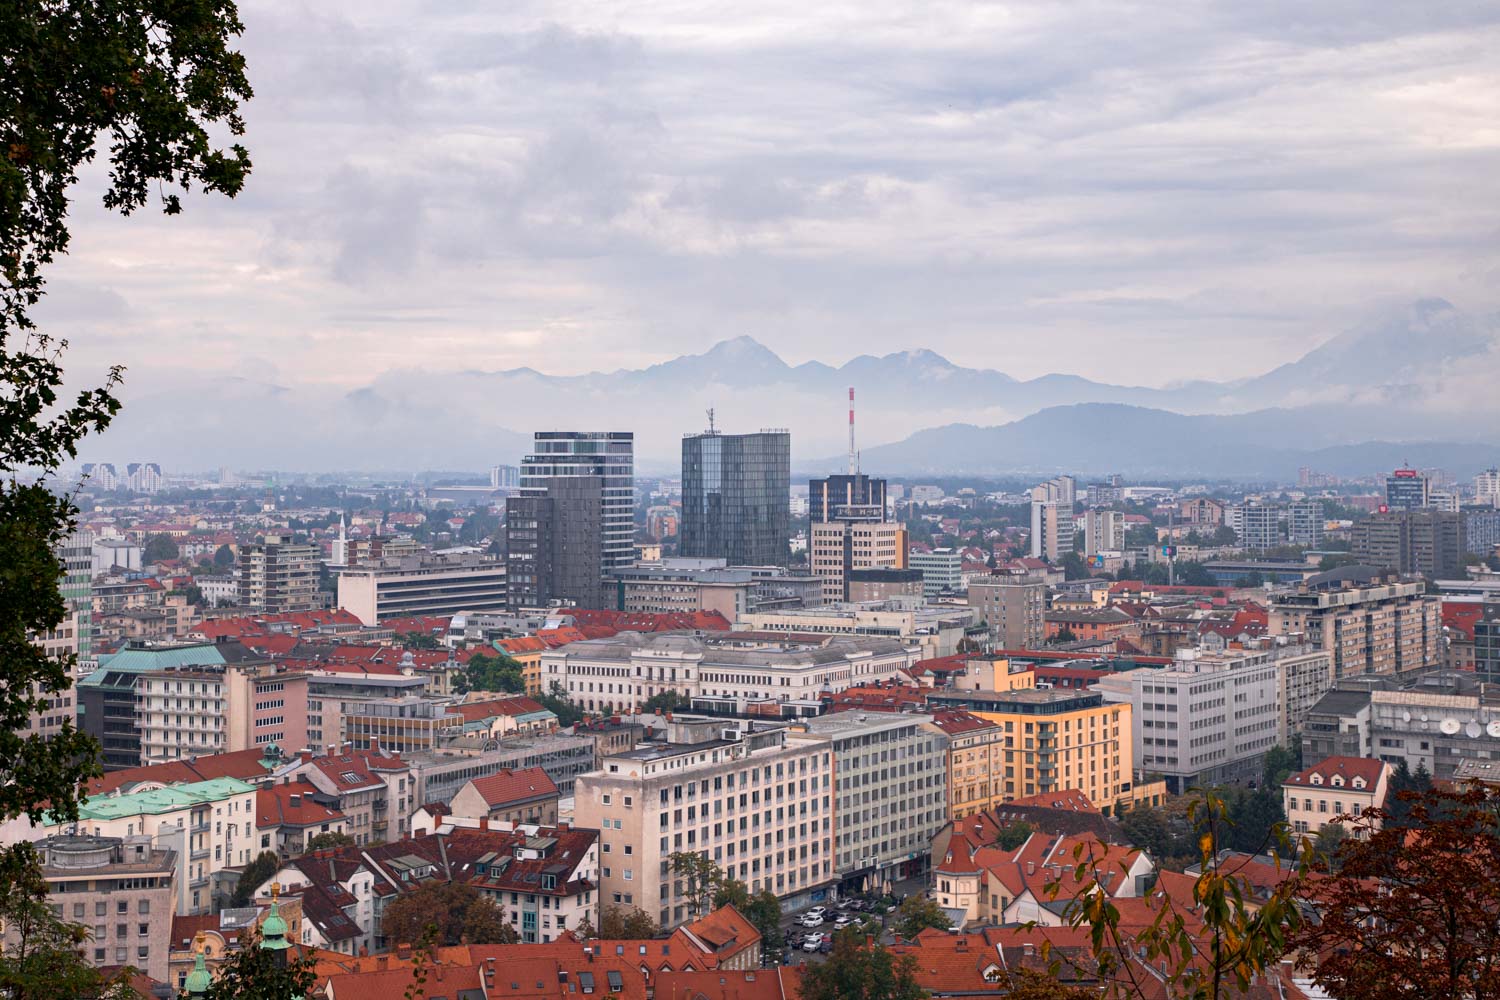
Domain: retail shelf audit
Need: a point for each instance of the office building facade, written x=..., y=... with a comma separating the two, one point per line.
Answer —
x=428, y=585
x=1413, y=542
x=609, y=457
x=556, y=544
x=1406, y=489
x=736, y=497
x=850, y=530
x=758, y=802
x=942, y=571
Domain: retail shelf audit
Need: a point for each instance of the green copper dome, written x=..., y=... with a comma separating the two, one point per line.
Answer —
x=199, y=980
x=273, y=931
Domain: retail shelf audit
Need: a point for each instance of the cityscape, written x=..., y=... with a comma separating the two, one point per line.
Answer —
x=920, y=518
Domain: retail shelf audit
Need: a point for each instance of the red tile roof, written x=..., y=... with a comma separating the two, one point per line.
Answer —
x=1460, y=618
x=292, y=805
x=507, y=786
x=1067, y=798
x=242, y=764
x=480, y=711
x=1349, y=767
x=958, y=723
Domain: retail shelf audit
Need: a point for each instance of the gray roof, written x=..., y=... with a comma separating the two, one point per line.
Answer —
x=1341, y=703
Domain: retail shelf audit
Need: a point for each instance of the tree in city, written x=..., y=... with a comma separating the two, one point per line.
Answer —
x=763, y=909
x=1145, y=827
x=1328, y=845
x=557, y=702
x=626, y=923
x=1279, y=763
x=663, y=702
x=419, y=640
x=917, y=913
x=261, y=867
x=700, y=879
x=1411, y=910
x=485, y=672
x=456, y=913
x=223, y=559
x=1061, y=636
x=1013, y=835
x=154, y=79
x=41, y=956
x=159, y=547
x=857, y=971
x=331, y=840
x=251, y=972
x=1208, y=947
x=1253, y=818
x=1028, y=984
x=1405, y=787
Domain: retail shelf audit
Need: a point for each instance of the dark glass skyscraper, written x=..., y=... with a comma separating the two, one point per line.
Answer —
x=736, y=497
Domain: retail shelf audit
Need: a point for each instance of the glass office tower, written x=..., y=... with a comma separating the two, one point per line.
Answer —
x=736, y=497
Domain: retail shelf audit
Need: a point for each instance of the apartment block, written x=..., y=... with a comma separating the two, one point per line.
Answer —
x=122, y=890
x=1056, y=740
x=1013, y=609
x=890, y=794
x=1257, y=526
x=427, y=585
x=217, y=709
x=1103, y=531
x=1367, y=622
x=1305, y=523
x=976, y=759
x=1052, y=524
x=208, y=826
x=850, y=530
x=278, y=574
x=757, y=801
x=1413, y=542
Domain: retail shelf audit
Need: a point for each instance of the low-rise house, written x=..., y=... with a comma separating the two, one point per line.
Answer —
x=372, y=788
x=1333, y=789
x=290, y=815
x=545, y=880
x=522, y=796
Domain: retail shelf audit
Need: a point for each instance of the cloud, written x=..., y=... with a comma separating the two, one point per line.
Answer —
x=1138, y=193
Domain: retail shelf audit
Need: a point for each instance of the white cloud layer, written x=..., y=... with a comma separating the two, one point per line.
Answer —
x=1131, y=192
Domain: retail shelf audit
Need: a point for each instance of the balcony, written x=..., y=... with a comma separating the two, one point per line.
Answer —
x=200, y=827
x=198, y=853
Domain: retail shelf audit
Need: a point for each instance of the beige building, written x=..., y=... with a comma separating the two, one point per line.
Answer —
x=422, y=585
x=373, y=789
x=524, y=796
x=1304, y=676
x=121, y=889
x=890, y=794
x=400, y=724
x=838, y=547
x=1367, y=623
x=1103, y=531
x=627, y=669
x=935, y=631
x=219, y=709
x=209, y=825
x=975, y=760
x=1013, y=609
x=1334, y=788
x=757, y=801
x=278, y=575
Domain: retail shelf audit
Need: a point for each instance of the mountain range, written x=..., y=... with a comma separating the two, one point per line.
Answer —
x=1415, y=383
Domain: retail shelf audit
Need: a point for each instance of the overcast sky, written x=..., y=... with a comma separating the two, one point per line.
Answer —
x=1130, y=192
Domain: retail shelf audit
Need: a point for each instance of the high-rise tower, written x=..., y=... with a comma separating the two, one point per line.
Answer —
x=736, y=497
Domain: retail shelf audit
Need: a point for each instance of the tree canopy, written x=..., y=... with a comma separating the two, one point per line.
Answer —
x=916, y=914
x=456, y=912
x=855, y=971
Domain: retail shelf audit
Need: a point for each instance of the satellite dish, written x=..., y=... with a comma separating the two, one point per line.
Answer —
x=1423, y=716
x=1450, y=727
x=1405, y=716
x=1493, y=728
x=1472, y=730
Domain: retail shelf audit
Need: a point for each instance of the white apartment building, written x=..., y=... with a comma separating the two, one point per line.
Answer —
x=209, y=824
x=942, y=570
x=756, y=801
x=208, y=709
x=1103, y=531
x=627, y=669
x=1207, y=720
x=890, y=794
x=1487, y=487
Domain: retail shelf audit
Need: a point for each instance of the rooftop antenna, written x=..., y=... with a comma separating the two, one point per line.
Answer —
x=710, y=420
x=853, y=458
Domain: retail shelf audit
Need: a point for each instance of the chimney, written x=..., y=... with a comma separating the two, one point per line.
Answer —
x=383, y=962
x=403, y=951
x=437, y=973
x=333, y=749
x=374, y=744
x=296, y=800
x=307, y=756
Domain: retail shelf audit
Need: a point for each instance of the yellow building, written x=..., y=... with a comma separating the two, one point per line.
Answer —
x=526, y=650
x=976, y=761
x=1055, y=740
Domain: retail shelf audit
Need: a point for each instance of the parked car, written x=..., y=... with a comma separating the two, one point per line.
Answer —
x=813, y=943
x=811, y=920
x=819, y=910
x=826, y=946
x=844, y=920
